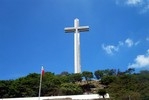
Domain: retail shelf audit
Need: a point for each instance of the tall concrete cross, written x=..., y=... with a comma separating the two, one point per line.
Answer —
x=76, y=29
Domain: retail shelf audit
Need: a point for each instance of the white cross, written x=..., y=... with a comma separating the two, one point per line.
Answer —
x=76, y=29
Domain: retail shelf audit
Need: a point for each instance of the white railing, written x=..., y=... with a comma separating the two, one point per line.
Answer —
x=68, y=97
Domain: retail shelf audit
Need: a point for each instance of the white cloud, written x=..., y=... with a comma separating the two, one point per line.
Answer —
x=140, y=61
x=129, y=42
x=133, y=2
x=121, y=43
x=148, y=51
x=147, y=39
x=145, y=9
x=136, y=43
x=143, y=5
x=110, y=48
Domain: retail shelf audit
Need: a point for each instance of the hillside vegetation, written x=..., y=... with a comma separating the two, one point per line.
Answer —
x=125, y=85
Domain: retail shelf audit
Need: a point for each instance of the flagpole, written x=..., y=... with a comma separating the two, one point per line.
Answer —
x=40, y=83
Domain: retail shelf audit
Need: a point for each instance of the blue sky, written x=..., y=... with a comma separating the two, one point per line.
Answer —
x=32, y=35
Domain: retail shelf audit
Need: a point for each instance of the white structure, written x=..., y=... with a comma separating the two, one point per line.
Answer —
x=69, y=97
x=76, y=29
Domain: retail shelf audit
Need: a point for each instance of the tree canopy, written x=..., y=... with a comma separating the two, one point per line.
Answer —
x=121, y=85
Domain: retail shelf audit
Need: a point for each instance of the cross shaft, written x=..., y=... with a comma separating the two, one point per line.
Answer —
x=76, y=29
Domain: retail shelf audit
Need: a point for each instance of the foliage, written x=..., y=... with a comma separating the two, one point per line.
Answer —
x=120, y=85
x=102, y=92
x=98, y=74
x=109, y=72
x=70, y=89
x=25, y=86
x=106, y=80
x=134, y=86
x=87, y=75
x=64, y=73
x=5, y=88
x=129, y=70
x=77, y=77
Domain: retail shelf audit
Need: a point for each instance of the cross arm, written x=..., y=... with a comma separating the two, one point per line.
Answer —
x=73, y=29
x=83, y=28
x=69, y=29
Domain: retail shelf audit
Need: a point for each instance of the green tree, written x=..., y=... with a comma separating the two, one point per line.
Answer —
x=25, y=86
x=87, y=75
x=129, y=71
x=98, y=74
x=64, y=73
x=64, y=79
x=109, y=72
x=4, y=88
x=125, y=85
x=70, y=89
x=50, y=84
x=106, y=80
x=77, y=77
x=102, y=92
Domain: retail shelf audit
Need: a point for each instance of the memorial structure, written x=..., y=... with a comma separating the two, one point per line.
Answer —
x=76, y=29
